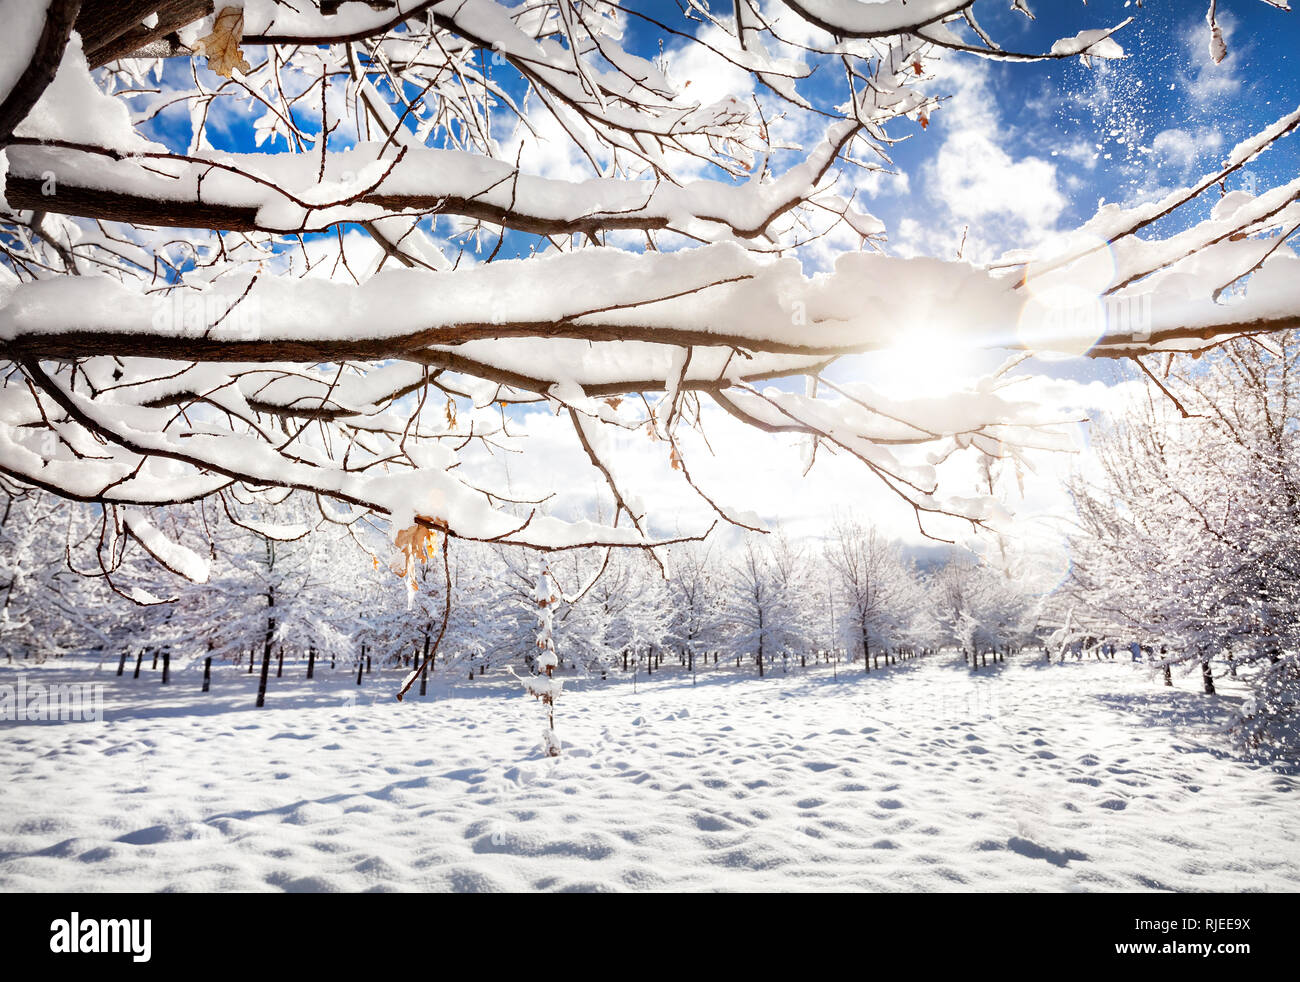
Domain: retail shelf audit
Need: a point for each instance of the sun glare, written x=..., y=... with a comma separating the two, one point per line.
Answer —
x=926, y=361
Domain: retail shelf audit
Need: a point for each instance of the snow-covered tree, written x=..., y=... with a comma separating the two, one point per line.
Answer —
x=45, y=606
x=544, y=686
x=765, y=609
x=352, y=308
x=981, y=608
x=874, y=588
x=696, y=598
x=1188, y=527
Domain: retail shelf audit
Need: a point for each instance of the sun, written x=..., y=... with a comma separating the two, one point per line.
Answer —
x=926, y=361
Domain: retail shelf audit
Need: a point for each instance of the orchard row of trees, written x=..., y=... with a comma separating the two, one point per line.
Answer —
x=328, y=592
x=1188, y=536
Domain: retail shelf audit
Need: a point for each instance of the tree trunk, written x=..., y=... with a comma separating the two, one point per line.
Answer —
x=266, y=646
x=1207, y=677
x=311, y=661
x=121, y=664
x=266, y=671
x=138, y=659
x=207, y=673
x=552, y=749
x=361, y=665
x=279, y=663
x=424, y=678
x=1169, y=676
x=167, y=667
x=155, y=660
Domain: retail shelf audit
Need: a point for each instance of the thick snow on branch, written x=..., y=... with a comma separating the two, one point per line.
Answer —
x=874, y=18
x=178, y=558
x=548, y=217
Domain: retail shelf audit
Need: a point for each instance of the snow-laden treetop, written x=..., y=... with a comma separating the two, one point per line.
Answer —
x=179, y=321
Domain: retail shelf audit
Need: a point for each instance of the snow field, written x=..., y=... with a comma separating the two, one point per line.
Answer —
x=1082, y=776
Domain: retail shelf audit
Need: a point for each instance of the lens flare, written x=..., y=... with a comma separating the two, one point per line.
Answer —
x=1066, y=308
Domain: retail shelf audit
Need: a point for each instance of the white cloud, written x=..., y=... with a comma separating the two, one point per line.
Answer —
x=1200, y=77
x=548, y=148
x=701, y=75
x=975, y=180
x=1182, y=148
x=1079, y=152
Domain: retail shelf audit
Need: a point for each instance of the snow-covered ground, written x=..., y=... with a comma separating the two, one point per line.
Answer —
x=1083, y=776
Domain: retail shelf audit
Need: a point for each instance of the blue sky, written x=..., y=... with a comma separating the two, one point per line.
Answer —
x=1124, y=130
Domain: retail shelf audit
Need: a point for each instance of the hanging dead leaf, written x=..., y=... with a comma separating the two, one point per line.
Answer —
x=222, y=46
x=451, y=412
x=916, y=67
x=416, y=544
x=925, y=121
x=675, y=460
x=613, y=402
